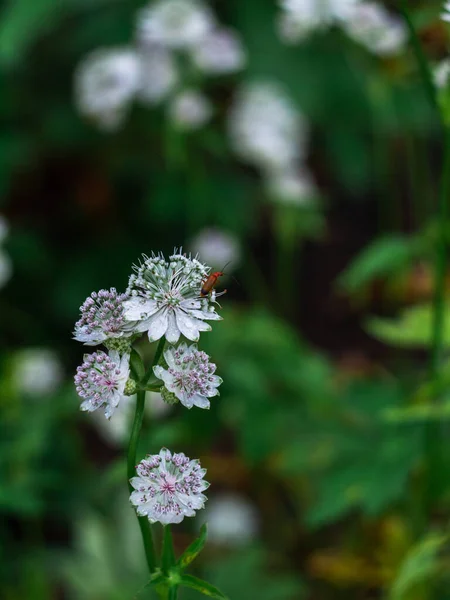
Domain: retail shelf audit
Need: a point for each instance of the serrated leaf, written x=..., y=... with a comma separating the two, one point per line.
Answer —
x=411, y=329
x=419, y=566
x=383, y=257
x=201, y=586
x=194, y=549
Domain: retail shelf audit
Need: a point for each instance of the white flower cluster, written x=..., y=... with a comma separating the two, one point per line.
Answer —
x=367, y=22
x=445, y=15
x=169, y=33
x=167, y=299
x=268, y=131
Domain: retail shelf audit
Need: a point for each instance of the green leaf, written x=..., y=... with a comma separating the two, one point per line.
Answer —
x=418, y=568
x=168, y=555
x=201, y=586
x=137, y=366
x=194, y=549
x=412, y=329
x=383, y=257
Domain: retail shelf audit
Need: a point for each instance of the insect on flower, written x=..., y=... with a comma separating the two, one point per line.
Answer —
x=210, y=283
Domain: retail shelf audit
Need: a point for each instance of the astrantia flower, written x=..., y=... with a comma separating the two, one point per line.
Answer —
x=159, y=74
x=102, y=318
x=371, y=25
x=265, y=127
x=232, y=519
x=165, y=298
x=105, y=84
x=101, y=379
x=168, y=487
x=219, y=52
x=37, y=371
x=301, y=17
x=445, y=15
x=292, y=187
x=217, y=248
x=190, y=110
x=189, y=375
x=174, y=23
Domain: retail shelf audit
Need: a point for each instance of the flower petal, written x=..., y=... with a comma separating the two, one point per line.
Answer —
x=172, y=333
x=201, y=401
x=189, y=326
x=157, y=325
x=138, y=308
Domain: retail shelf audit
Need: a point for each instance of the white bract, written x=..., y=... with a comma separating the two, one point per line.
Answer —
x=219, y=52
x=232, y=519
x=37, y=371
x=159, y=74
x=190, y=110
x=100, y=381
x=168, y=487
x=102, y=318
x=299, y=18
x=371, y=25
x=218, y=248
x=105, y=84
x=189, y=375
x=445, y=15
x=265, y=127
x=165, y=298
x=174, y=23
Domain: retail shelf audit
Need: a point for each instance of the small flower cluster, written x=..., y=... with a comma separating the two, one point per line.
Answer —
x=164, y=299
x=367, y=22
x=268, y=131
x=150, y=70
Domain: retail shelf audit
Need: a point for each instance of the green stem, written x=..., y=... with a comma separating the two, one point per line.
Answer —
x=158, y=353
x=168, y=561
x=144, y=524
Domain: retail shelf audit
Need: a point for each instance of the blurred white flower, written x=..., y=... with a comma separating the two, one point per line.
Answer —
x=165, y=298
x=232, y=519
x=190, y=110
x=265, y=127
x=174, y=23
x=116, y=430
x=219, y=52
x=442, y=73
x=296, y=188
x=445, y=15
x=159, y=74
x=299, y=18
x=105, y=84
x=168, y=487
x=217, y=248
x=37, y=372
x=381, y=32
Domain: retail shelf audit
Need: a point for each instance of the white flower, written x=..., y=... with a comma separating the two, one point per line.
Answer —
x=190, y=110
x=219, y=52
x=217, y=248
x=442, y=73
x=289, y=187
x=445, y=15
x=100, y=381
x=166, y=300
x=371, y=25
x=174, y=23
x=301, y=17
x=37, y=371
x=189, y=375
x=232, y=519
x=102, y=318
x=168, y=487
x=265, y=127
x=105, y=84
x=159, y=74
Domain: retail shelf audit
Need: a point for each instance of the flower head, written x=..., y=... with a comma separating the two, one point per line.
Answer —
x=190, y=375
x=37, y=371
x=293, y=187
x=217, y=247
x=232, y=519
x=445, y=15
x=102, y=318
x=100, y=381
x=219, y=52
x=379, y=31
x=174, y=23
x=159, y=74
x=165, y=298
x=106, y=83
x=168, y=487
x=190, y=110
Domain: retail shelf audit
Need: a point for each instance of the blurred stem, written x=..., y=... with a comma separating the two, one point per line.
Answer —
x=145, y=527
